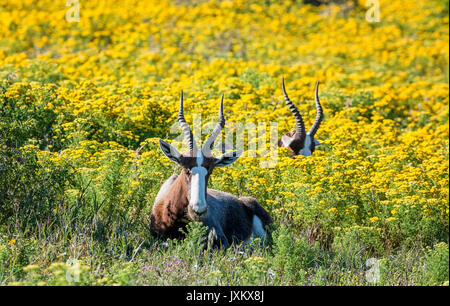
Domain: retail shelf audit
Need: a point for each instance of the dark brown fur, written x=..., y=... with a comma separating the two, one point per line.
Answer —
x=168, y=214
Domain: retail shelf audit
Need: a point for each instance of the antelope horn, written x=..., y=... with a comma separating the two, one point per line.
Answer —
x=188, y=136
x=216, y=131
x=319, y=116
x=299, y=124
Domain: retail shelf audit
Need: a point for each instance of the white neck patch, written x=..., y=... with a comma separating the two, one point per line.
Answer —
x=306, y=151
x=198, y=185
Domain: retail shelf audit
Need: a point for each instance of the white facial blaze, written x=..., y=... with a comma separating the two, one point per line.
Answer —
x=286, y=140
x=198, y=186
x=306, y=151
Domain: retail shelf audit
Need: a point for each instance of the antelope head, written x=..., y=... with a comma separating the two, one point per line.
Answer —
x=300, y=142
x=197, y=164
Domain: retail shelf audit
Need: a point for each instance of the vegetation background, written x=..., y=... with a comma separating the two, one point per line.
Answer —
x=82, y=105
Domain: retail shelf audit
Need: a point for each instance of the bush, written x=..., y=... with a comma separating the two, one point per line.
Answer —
x=437, y=264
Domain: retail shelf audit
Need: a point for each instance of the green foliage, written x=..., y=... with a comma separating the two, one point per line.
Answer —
x=293, y=256
x=25, y=118
x=437, y=264
x=255, y=78
x=30, y=188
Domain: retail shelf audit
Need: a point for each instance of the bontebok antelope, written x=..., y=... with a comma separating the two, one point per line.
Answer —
x=300, y=142
x=185, y=197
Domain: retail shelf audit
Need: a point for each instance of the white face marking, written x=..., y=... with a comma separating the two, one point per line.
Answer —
x=306, y=151
x=286, y=140
x=198, y=186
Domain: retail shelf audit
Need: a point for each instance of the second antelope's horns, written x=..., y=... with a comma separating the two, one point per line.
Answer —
x=299, y=124
x=207, y=147
x=319, y=116
x=188, y=136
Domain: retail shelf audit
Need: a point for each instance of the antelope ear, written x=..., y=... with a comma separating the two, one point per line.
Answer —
x=228, y=158
x=170, y=152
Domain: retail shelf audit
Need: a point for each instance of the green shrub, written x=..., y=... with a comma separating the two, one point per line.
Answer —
x=437, y=264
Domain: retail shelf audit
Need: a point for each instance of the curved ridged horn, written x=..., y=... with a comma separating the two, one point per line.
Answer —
x=188, y=136
x=299, y=124
x=319, y=116
x=207, y=147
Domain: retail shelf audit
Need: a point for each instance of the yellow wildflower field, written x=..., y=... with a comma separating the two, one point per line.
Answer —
x=88, y=88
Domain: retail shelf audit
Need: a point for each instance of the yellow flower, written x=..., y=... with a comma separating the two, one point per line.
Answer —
x=12, y=241
x=31, y=268
x=384, y=139
x=374, y=219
